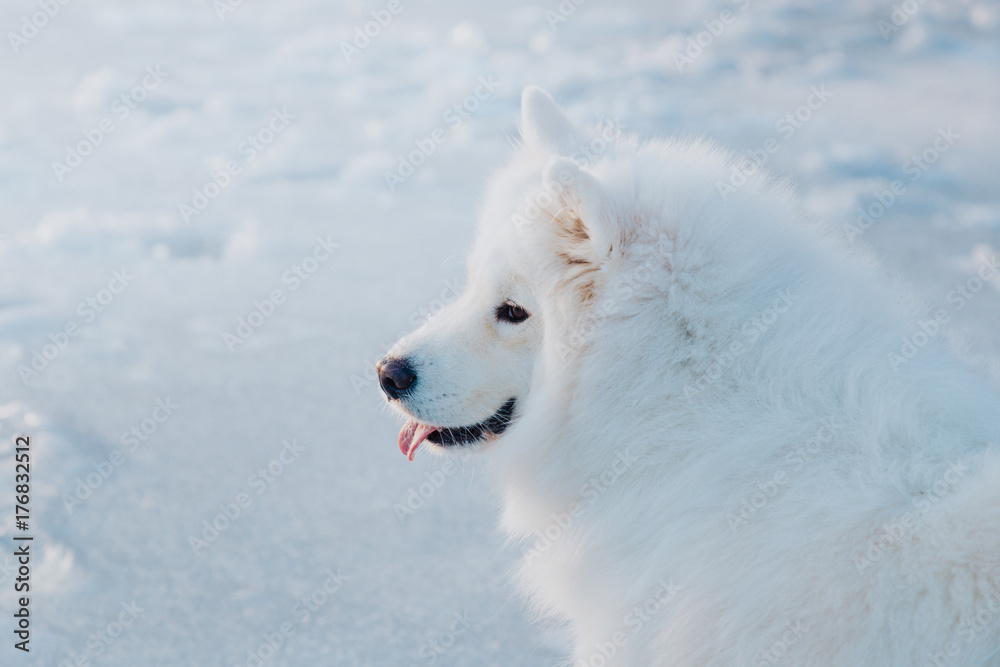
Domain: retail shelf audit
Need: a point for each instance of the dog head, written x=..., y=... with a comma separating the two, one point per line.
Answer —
x=461, y=378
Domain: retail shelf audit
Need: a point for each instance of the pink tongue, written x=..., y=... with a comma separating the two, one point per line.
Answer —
x=412, y=435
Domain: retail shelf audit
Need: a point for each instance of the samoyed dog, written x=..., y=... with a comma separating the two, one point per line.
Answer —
x=722, y=438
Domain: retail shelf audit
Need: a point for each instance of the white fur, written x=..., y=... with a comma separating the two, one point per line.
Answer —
x=639, y=277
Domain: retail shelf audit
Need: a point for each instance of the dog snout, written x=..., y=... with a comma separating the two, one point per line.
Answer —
x=395, y=376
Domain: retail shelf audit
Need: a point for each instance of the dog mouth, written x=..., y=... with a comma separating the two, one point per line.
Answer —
x=415, y=432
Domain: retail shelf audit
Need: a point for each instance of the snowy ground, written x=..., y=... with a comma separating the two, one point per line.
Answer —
x=195, y=87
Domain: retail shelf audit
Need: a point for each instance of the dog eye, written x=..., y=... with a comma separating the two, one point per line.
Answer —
x=511, y=312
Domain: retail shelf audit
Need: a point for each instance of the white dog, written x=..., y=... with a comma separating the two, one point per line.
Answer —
x=722, y=438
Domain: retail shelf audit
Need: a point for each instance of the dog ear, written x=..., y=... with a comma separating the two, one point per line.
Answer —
x=543, y=123
x=584, y=217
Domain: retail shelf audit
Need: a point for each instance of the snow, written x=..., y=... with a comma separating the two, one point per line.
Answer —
x=400, y=585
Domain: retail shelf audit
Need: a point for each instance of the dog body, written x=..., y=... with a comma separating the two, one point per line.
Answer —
x=721, y=437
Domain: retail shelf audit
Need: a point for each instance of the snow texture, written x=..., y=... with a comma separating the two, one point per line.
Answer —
x=181, y=86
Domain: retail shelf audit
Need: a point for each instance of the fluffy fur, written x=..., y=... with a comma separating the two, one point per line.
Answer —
x=715, y=458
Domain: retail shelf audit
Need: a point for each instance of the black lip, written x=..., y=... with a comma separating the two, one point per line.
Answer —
x=467, y=435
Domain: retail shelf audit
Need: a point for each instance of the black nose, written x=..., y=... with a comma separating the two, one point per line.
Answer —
x=395, y=376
